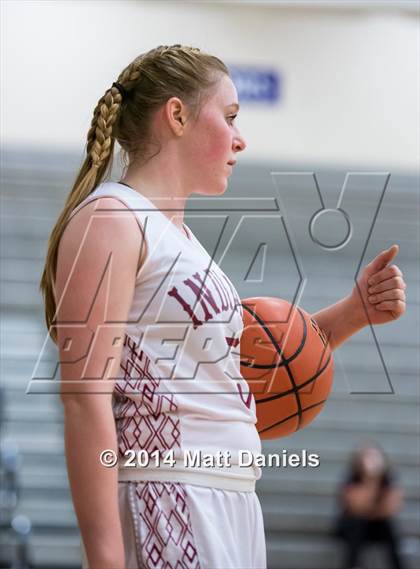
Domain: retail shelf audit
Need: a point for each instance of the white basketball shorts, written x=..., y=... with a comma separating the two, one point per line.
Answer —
x=172, y=525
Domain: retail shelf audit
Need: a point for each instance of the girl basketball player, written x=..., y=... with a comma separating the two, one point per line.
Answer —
x=148, y=327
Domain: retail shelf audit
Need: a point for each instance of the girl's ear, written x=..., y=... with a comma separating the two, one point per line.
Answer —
x=175, y=112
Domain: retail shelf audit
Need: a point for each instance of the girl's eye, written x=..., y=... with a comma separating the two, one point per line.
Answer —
x=232, y=117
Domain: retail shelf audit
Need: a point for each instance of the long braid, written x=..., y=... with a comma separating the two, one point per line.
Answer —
x=151, y=78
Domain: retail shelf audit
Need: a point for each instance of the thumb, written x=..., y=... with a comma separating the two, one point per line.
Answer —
x=382, y=260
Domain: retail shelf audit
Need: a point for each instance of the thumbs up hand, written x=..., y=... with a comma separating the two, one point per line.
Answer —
x=378, y=295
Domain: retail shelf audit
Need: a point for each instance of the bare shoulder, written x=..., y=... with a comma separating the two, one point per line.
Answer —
x=102, y=242
x=104, y=224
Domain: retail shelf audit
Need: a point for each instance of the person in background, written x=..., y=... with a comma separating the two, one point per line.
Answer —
x=368, y=500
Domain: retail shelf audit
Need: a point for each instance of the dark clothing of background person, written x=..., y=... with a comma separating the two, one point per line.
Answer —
x=366, y=510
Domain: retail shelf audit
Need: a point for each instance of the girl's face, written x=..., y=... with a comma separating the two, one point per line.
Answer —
x=372, y=461
x=213, y=141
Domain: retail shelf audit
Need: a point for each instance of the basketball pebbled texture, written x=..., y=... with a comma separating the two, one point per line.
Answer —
x=287, y=362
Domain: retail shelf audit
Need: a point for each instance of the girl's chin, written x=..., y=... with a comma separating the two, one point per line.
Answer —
x=217, y=190
x=222, y=189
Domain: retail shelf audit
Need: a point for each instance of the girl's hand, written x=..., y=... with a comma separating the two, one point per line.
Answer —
x=378, y=296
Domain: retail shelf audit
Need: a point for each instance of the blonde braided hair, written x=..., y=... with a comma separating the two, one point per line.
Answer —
x=150, y=80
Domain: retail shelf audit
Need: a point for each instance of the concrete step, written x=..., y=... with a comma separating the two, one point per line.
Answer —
x=322, y=441
x=51, y=550
x=17, y=247
x=292, y=552
x=331, y=453
x=287, y=520
x=57, y=513
x=323, y=504
x=332, y=472
x=314, y=492
x=21, y=407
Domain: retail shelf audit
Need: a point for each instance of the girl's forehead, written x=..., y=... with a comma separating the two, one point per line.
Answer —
x=225, y=93
x=372, y=450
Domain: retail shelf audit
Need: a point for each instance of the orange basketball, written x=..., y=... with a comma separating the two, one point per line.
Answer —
x=287, y=362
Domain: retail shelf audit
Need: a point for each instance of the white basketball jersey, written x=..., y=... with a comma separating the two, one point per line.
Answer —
x=180, y=386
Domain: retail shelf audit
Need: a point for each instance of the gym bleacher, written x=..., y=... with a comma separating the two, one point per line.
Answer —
x=376, y=385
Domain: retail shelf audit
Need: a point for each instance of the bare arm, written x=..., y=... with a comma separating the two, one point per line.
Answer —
x=391, y=504
x=377, y=297
x=339, y=321
x=94, y=295
x=359, y=499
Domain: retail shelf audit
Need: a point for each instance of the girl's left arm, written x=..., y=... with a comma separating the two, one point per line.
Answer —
x=377, y=297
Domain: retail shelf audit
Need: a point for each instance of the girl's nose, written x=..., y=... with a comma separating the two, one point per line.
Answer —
x=239, y=144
